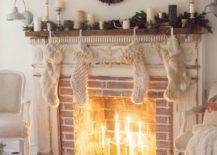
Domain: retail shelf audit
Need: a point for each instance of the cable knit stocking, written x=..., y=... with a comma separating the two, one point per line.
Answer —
x=173, y=60
x=79, y=77
x=135, y=56
x=50, y=78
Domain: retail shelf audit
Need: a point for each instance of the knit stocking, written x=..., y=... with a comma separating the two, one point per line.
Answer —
x=50, y=78
x=79, y=76
x=178, y=78
x=134, y=55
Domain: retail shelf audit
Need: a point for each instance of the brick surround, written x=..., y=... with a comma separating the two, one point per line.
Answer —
x=101, y=86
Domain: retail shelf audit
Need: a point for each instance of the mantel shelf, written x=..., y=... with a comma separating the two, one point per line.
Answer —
x=116, y=32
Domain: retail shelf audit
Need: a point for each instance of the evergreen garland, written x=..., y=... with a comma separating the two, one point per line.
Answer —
x=139, y=20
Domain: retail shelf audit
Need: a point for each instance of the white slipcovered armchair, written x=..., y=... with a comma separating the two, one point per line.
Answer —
x=203, y=137
x=15, y=120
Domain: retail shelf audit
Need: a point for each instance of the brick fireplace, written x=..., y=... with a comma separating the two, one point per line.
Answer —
x=81, y=128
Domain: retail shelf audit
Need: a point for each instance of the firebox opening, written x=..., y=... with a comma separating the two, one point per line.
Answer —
x=115, y=126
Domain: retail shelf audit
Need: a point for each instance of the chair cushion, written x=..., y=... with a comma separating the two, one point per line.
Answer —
x=181, y=142
x=210, y=118
x=12, y=126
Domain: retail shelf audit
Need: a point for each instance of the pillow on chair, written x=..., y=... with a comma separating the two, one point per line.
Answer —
x=181, y=142
x=210, y=118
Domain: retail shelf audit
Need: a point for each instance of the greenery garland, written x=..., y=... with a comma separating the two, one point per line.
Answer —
x=140, y=20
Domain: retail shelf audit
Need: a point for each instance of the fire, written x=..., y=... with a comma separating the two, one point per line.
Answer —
x=115, y=126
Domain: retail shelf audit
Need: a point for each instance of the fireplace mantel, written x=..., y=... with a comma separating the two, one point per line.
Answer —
x=115, y=32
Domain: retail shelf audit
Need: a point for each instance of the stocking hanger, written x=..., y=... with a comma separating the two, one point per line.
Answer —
x=80, y=35
x=172, y=31
x=50, y=36
x=51, y=39
x=134, y=34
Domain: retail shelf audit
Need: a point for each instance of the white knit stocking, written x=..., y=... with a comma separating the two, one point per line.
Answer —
x=179, y=80
x=134, y=55
x=79, y=76
x=50, y=78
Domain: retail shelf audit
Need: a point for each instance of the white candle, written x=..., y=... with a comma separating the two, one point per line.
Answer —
x=150, y=15
x=117, y=134
x=103, y=136
x=127, y=129
x=37, y=24
x=126, y=24
x=60, y=4
x=192, y=8
x=129, y=136
x=90, y=19
x=108, y=148
x=48, y=27
x=131, y=149
x=77, y=25
x=101, y=25
x=140, y=142
x=160, y=15
x=46, y=10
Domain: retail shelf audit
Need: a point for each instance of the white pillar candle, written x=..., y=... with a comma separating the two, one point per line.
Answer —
x=60, y=4
x=90, y=19
x=48, y=26
x=101, y=25
x=77, y=25
x=126, y=24
x=46, y=16
x=37, y=24
x=192, y=8
x=117, y=134
x=150, y=15
x=160, y=15
x=108, y=148
x=103, y=136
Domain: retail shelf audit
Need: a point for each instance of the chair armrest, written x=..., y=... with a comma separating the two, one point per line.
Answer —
x=194, y=111
x=26, y=111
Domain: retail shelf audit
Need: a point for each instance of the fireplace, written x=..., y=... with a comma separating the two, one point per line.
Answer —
x=111, y=119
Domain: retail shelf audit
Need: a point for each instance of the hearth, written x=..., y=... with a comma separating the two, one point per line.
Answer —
x=112, y=123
